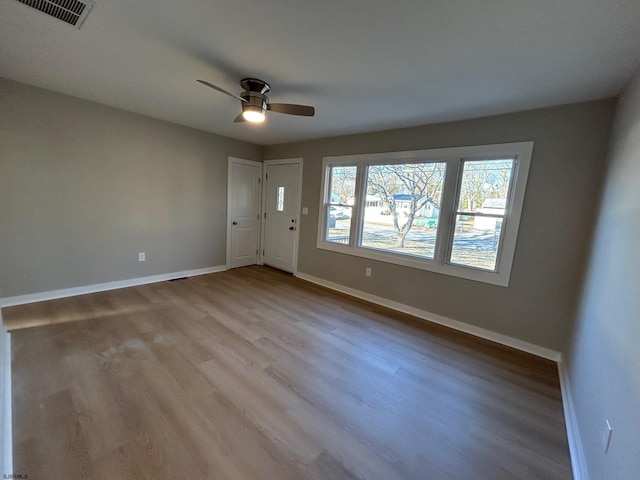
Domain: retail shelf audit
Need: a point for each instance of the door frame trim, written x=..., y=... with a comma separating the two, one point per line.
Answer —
x=282, y=161
x=253, y=163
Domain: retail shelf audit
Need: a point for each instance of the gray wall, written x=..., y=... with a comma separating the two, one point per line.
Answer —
x=564, y=180
x=6, y=444
x=604, y=358
x=85, y=187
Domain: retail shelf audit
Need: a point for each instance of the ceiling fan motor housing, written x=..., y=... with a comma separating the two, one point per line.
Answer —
x=255, y=95
x=255, y=102
x=255, y=85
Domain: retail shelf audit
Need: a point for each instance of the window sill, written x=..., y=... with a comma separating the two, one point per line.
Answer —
x=494, y=278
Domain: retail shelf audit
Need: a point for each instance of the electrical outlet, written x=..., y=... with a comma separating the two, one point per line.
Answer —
x=606, y=436
x=142, y=257
x=305, y=210
x=367, y=271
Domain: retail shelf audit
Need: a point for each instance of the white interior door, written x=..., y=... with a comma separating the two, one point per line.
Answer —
x=243, y=209
x=282, y=207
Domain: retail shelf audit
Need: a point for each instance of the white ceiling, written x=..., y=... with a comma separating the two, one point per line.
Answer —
x=364, y=65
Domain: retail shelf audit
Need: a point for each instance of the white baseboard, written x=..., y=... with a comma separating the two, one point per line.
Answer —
x=578, y=460
x=101, y=287
x=439, y=319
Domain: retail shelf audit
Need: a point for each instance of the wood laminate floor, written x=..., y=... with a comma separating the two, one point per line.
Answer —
x=253, y=374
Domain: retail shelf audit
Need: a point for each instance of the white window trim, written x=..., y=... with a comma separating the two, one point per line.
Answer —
x=521, y=151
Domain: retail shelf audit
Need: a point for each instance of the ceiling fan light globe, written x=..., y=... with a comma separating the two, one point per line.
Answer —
x=253, y=116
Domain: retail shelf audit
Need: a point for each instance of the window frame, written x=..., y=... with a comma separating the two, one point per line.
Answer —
x=454, y=159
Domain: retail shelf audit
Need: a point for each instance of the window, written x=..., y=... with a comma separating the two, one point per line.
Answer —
x=480, y=212
x=280, y=200
x=410, y=194
x=342, y=181
x=454, y=211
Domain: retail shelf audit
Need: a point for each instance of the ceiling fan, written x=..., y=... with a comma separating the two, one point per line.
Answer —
x=255, y=101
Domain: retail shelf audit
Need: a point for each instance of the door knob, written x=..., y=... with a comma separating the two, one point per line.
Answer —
x=235, y=223
x=292, y=228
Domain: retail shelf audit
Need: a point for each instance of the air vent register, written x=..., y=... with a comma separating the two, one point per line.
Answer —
x=73, y=12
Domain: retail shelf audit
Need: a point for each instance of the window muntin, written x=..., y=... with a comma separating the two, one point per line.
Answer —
x=402, y=207
x=446, y=258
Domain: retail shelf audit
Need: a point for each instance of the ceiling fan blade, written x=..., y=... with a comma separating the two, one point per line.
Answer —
x=291, y=109
x=239, y=118
x=221, y=90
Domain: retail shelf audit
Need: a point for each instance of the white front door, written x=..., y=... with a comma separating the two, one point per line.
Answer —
x=282, y=207
x=243, y=208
